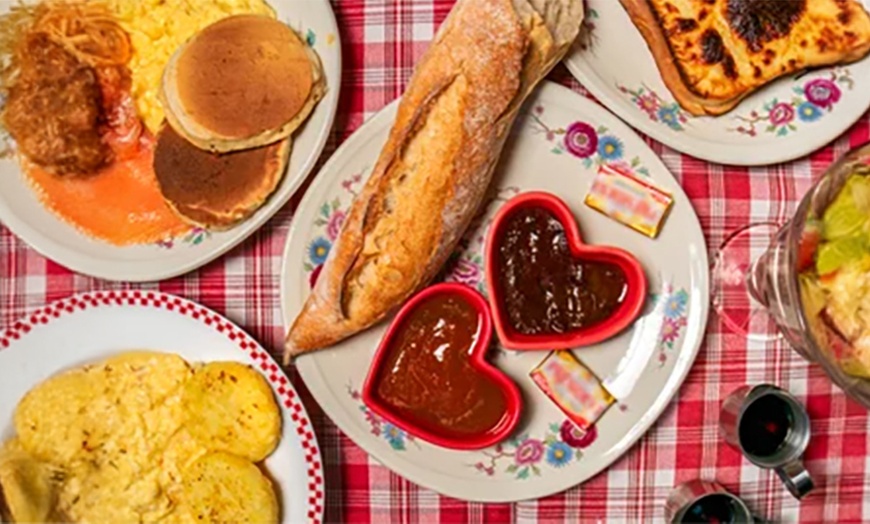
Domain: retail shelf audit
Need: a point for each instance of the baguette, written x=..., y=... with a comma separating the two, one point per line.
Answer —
x=436, y=165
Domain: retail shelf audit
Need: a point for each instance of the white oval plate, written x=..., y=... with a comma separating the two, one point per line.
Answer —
x=653, y=356
x=775, y=124
x=27, y=218
x=92, y=326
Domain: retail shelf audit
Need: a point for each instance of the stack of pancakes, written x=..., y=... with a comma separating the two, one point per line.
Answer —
x=233, y=95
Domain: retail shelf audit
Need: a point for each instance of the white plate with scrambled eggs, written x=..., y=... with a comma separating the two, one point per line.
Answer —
x=144, y=407
x=80, y=225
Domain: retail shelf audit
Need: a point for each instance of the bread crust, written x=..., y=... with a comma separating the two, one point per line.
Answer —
x=437, y=163
x=695, y=102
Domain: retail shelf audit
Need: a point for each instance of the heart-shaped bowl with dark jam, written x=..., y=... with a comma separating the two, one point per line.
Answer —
x=550, y=290
x=430, y=376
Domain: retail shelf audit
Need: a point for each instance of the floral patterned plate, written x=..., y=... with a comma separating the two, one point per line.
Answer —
x=557, y=145
x=785, y=120
x=21, y=211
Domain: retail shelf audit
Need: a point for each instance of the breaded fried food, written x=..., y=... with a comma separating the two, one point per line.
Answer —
x=54, y=109
x=230, y=407
x=224, y=488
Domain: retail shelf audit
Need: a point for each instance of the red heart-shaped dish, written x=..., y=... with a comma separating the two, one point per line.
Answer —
x=429, y=376
x=549, y=290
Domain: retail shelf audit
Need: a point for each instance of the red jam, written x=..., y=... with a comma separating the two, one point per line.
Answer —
x=427, y=377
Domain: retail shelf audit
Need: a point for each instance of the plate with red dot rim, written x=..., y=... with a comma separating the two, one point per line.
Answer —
x=91, y=326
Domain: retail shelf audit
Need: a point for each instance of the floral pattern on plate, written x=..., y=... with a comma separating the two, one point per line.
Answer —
x=194, y=237
x=657, y=108
x=396, y=437
x=676, y=307
x=811, y=101
x=523, y=456
x=594, y=146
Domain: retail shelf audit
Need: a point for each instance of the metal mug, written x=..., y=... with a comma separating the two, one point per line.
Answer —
x=786, y=460
x=686, y=500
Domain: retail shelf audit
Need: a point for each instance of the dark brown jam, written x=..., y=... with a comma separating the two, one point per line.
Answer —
x=544, y=289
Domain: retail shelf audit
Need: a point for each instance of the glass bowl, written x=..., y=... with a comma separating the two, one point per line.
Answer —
x=781, y=282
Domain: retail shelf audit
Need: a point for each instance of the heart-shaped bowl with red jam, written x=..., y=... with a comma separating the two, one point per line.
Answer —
x=550, y=290
x=430, y=376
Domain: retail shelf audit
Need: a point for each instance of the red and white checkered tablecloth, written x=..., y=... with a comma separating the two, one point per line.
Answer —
x=382, y=40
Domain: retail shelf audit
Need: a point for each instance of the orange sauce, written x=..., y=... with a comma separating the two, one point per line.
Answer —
x=121, y=204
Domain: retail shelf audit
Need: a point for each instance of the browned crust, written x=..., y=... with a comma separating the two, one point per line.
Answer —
x=435, y=167
x=650, y=28
x=216, y=191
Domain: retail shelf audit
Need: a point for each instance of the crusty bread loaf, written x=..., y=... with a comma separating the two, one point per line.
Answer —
x=434, y=169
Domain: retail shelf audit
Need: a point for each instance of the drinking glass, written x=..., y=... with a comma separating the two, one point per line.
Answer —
x=773, y=280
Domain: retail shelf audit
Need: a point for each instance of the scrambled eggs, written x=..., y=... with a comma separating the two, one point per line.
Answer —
x=119, y=442
x=157, y=28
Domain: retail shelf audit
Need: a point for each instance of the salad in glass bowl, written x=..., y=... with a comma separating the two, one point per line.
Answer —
x=834, y=272
x=814, y=278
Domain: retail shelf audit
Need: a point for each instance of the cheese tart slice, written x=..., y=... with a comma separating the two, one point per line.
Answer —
x=713, y=53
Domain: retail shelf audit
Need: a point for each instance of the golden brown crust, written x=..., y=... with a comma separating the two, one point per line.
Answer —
x=244, y=82
x=437, y=163
x=713, y=54
x=216, y=191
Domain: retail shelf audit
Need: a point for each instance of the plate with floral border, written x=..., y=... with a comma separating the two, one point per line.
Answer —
x=89, y=327
x=787, y=119
x=557, y=145
x=23, y=213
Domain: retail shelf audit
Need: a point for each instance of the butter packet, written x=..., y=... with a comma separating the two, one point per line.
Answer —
x=629, y=200
x=572, y=387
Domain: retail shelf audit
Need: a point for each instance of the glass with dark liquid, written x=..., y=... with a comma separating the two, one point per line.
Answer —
x=699, y=501
x=772, y=430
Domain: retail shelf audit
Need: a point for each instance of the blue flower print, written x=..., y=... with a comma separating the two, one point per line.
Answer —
x=319, y=250
x=610, y=148
x=559, y=454
x=809, y=112
x=676, y=304
x=395, y=436
x=670, y=116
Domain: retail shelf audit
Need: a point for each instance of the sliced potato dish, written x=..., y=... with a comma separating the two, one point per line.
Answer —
x=225, y=488
x=230, y=407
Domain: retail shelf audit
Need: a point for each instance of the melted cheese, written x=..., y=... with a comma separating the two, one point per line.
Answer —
x=726, y=48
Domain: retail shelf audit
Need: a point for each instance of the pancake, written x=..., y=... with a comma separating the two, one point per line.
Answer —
x=243, y=82
x=216, y=190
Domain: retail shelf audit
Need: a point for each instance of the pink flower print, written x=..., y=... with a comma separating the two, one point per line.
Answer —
x=529, y=452
x=671, y=330
x=822, y=92
x=648, y=104
x=466, y=273
x=581, y=140
x=781, y=114
x=576, y=437
x=333, y=227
